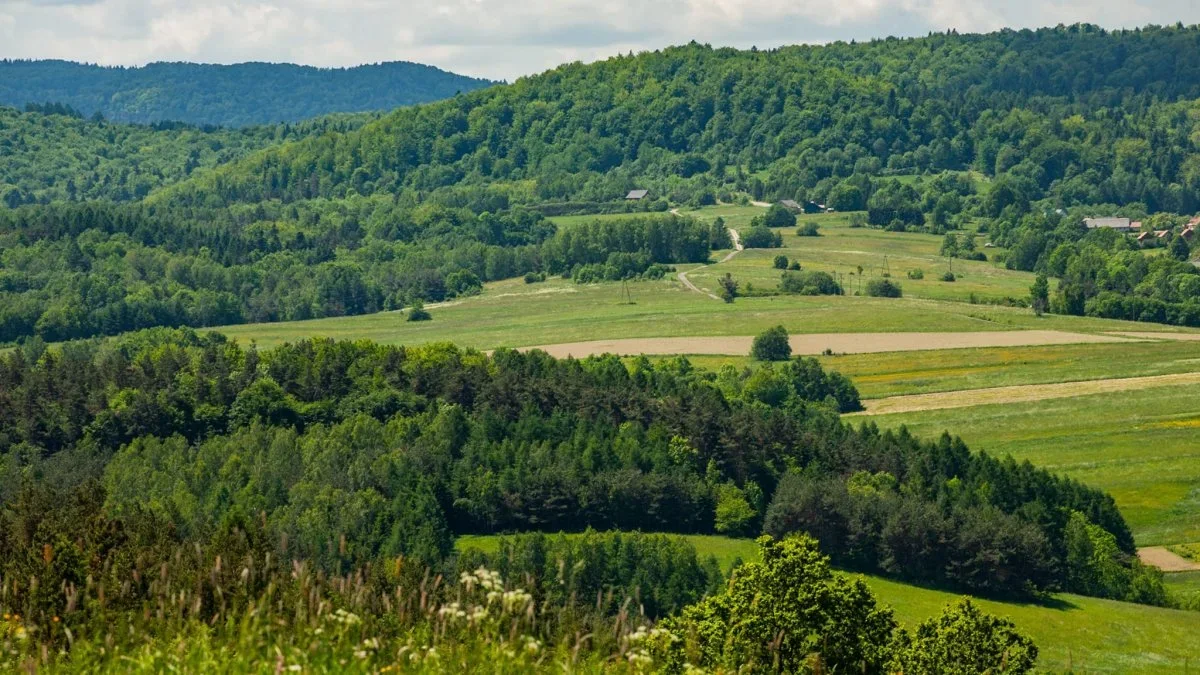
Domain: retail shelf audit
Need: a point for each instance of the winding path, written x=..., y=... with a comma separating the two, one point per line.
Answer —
x=737, y=248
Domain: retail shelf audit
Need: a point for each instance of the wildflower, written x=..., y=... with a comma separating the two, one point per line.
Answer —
x=295, y=668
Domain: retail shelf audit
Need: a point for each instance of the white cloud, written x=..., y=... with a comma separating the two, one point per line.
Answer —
x=503, y=38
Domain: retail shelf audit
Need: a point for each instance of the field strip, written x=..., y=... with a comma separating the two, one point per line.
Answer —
x=818, y=343
x=1166, y=561
x=1143, y=335
x=1020, y=393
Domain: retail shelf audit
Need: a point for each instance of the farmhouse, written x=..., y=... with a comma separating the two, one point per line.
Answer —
x=1119, y=224
x=1144, y=239
x=637, y=195
x=1189, y=232
x=792, y=205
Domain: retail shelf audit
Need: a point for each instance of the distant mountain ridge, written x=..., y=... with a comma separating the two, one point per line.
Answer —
x=229, y=95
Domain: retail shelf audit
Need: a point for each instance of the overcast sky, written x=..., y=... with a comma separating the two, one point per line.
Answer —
x=503, y=39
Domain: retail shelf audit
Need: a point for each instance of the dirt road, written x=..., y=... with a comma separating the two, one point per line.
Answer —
x=737, y=248
x=841, y=343
x=1021, y=393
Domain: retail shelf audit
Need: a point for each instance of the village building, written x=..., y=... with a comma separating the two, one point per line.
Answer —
x=1119, y=224
x=637, y=195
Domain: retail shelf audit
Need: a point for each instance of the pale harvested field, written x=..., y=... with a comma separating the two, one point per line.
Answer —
x=1165, y=560
x=1143, y=335
x=818, y=343
x=1020, y=393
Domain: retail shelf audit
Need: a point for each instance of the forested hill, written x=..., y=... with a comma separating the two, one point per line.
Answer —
x=234, y=95
x=1077, y=113
x=50, y=153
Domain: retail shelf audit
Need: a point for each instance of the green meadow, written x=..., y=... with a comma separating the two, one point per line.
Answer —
x=1139, y=445
x=1072, y=632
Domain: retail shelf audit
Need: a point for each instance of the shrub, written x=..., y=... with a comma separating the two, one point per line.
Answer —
x=916, y=274
x=781, y=262
x=418, y=312
x=809, y=229
x=534, y=277
x=882, y=288
x=948, y=276
x=772, y=345
x=761, y=236
x=795, y=266
x=808, y=283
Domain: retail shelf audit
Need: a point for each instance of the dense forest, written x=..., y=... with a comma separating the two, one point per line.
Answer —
x=225, y=95
x=51, y=153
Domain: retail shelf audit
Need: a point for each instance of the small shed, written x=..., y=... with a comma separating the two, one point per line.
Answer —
x=791, y=205
x=1188, y=232
x=813, y=207
x=637, y=195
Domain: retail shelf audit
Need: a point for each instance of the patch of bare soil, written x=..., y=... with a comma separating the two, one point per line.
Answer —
x=839, y=343
x=1020, y=393
x=1166, y=561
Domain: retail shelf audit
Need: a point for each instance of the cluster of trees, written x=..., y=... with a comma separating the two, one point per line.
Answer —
x=235, y=95
x=349, y=451
x=1104, y=273
x=72, y=271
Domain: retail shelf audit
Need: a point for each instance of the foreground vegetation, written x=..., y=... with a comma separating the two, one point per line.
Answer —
x=1072, y=632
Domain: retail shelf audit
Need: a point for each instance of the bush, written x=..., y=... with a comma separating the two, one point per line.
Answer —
x=916, y=274
x=534, y=277
x=808, y=283
x=779, y=216
x=795, y=266
x=772, y=345
x=781, y=262
x=761, y=236
x=882, y=288
x=808, y=230
x=948, y=276
x=418, y=312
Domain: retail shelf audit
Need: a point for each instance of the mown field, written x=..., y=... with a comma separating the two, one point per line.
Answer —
x=1072, y=632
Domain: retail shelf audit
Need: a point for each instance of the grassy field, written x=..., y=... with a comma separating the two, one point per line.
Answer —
x=514, y=314
x=1071, y=631
x=1139, y=445
x=902, y=373
x=842, y=250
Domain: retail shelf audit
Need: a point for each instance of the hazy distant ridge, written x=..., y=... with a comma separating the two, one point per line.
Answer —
x=234, y=95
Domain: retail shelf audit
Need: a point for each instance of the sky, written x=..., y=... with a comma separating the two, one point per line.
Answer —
x=504, y=39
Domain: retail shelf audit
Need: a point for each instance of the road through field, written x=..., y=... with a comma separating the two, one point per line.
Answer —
x=1020, y=393
x=737, y=248
x=819, y=343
